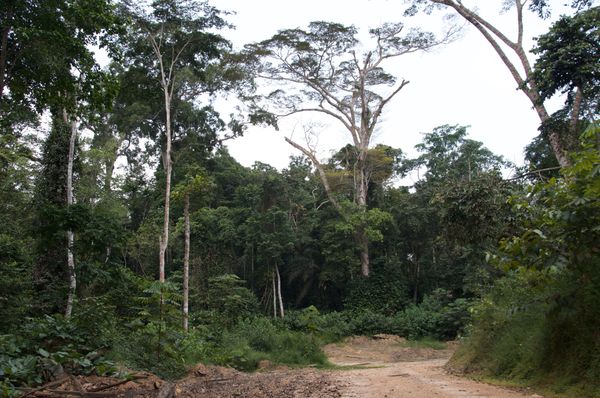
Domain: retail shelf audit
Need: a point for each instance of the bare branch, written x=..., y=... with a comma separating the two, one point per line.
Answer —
x=322, y=175
x=474, y=18
x=377, y=113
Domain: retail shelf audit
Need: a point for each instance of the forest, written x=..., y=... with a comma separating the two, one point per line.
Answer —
x=132, y=240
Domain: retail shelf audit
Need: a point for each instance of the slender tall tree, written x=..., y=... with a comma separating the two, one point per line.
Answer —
x=172, y=45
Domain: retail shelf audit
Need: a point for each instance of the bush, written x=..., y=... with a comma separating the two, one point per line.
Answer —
x=438, y=316
x=540, y=324
x=225, y=302
x=259, y=339
x=334, y=326
x=45, y=347
x=369, y=323
x=514, y=322
x=330, y=327
x=384, y=292
x=415, y=322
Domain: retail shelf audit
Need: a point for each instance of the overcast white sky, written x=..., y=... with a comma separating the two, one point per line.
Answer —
x=461, y=83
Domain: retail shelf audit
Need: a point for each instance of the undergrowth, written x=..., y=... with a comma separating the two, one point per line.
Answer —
x=529, y=331
x=227, y=329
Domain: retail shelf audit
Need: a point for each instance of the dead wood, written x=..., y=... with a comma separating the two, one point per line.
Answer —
x=102, y=388
x=45, y=386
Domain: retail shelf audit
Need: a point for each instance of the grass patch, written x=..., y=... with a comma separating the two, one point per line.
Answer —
x=425, y=342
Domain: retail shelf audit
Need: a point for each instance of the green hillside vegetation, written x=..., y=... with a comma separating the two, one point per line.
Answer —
x=130, y=239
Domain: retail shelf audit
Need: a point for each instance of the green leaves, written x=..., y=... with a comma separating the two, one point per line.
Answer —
x=560, y=218
x=48, y=41
x=448, y=154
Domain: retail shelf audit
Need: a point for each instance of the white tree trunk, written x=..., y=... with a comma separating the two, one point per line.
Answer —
x=164, y=239
x=70, y=235
x=274, y=295
x=417, y=276
x=186, y=261
x=279, y=296
x=167, y=83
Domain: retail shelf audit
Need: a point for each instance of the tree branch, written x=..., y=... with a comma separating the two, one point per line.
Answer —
x=320, y=170
x=379, y=109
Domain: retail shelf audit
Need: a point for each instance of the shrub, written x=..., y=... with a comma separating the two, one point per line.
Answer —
x=369, y=323
x=45, y=347
x=258, y=339
x=225, y=302
x=414, y=322
x=384, y=292
x=329, y=327
x=507, y=337
x=438, y=316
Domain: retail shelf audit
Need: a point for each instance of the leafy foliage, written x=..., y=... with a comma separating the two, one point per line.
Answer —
x=545, y=303
x=46, y=348
x=530, y=312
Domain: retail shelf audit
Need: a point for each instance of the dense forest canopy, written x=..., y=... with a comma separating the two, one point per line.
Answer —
x=130, y=235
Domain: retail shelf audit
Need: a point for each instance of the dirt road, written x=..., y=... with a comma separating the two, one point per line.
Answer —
x=383, y=367
x=394, y=370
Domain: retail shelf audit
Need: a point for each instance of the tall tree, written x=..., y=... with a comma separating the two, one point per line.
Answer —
x=46, y=64
x=568, y=63
x=521, y=69
x=324, y=72
x=41, y=41
x=195, y=182
x=172, y=45
x=461, y=191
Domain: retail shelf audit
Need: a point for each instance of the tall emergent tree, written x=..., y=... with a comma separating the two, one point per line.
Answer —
x=520, y=68
x=323, y=70
x=173, y=46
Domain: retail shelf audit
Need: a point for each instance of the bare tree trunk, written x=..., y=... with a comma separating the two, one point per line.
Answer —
x=109, y=166
x=168, y=86
x=320, y=170
x=252, y=266
x=575, y=114
x=361, y=188
x=274, y=295
x=70, y=235
x=363, y=246
x=186, y=262
x=417, y=272
x=279, y=296
x=164, y=240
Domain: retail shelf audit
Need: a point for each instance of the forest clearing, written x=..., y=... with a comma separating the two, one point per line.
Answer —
x=389, y=198
x=378, y=367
